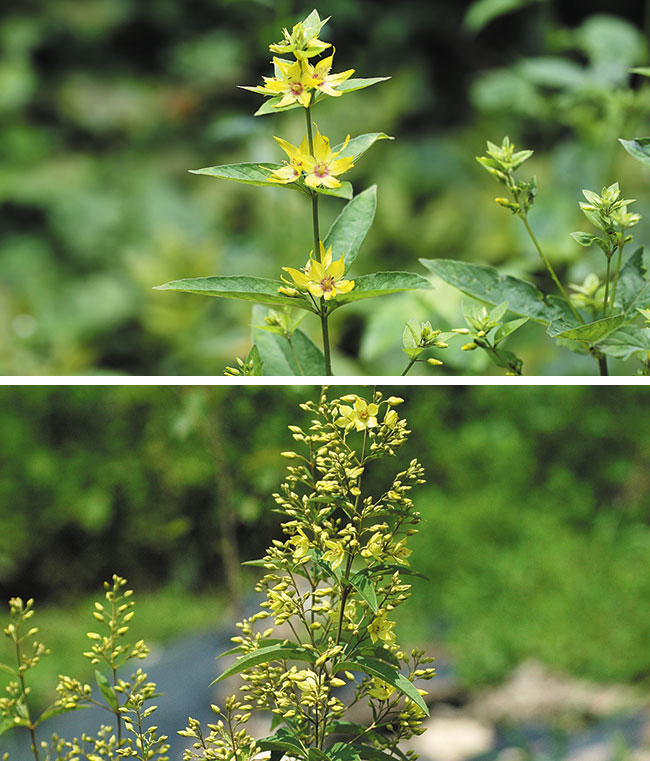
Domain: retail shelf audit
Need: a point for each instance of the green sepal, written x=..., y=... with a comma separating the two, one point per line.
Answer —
x=107, y=691
x=388, y=674
x=286, y=651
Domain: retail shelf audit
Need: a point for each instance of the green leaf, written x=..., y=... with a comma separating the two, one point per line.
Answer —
x=368, y=753
x=481, y=12
x=7, y=724
x=366, y=590
x=351, y=226
x=258, y=289
x=387, y=674
x=249, y=173
x=359, y=84
x=287, y=651
x=503, y=331
x=584, y=239
x=342, y=751
x=591, y=333
x=380, y=284
x=633, y=290
x=639, y=147
x=107, y=691
x=386, y=568
x=48, y=713
x=357, y=146
x=254, y=355
x=487, y=285
x=626, y=341
x=338, y=727
x=283, y=739
x=411, y=339
x=279, y=357
x=644, y=71
x=344, y=190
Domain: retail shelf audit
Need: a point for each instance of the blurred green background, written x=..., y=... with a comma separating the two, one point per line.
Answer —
x=535, y=541
x=105, y=105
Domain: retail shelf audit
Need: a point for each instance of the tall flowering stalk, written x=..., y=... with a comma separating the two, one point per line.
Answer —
x=315, y=168
x=323, y=639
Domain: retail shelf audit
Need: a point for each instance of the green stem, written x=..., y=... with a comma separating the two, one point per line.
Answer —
x=602, y=364
x=23, y=687
x=326, y=337
x=618, y=270
x=550, y=269
x=409, y=366
x=609, y=260
x=295, y=356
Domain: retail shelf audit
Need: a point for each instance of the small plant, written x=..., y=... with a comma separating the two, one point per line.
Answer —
x=323, y=640
x=127, y=701
x=601, y=317
x=314, y=168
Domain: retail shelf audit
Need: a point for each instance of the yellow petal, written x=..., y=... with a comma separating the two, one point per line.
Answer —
x=312, y=181
x=299, y=278
x=339, y=166
x=317, y=271
x=337, y=268
x=345, y=286
x=330, y=182
x=291, y=150
x=322, y=150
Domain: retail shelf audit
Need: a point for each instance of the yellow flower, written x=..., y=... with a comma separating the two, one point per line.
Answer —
x=301, y=542
x=361, y=416
x=380, y=628
x=323, y=167
x=390, y=419
x=306, y=680
x=294, y=167
x=320, y=79
x=335, y=553
x=380, y=690
x=400, y=552
x=324, y=278
x=290, y=81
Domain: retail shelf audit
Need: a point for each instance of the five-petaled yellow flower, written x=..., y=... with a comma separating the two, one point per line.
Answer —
x=323, y=167
x=361, y=416
x=381, y=628
x=320, y=79
x=292, y=84
x=324, y=278
x=294, y=167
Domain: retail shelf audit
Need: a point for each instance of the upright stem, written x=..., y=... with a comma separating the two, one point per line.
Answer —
x=409, y=366
x=314, y=218
x=550, y=269
x=602, y=364
x=609, y=260
x=23, y=687
x=618, y=270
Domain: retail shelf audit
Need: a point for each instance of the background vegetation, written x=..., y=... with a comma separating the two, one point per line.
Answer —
x=105, y=104
x=536, y=537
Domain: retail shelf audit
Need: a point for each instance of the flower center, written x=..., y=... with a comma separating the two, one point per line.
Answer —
x=296, y=88
x=326, y=284
x=320, y=170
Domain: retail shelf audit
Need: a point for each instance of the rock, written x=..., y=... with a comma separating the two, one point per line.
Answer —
x=451, y=736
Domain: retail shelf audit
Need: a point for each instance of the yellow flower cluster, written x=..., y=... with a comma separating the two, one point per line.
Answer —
x=324, y=278
x=320, y=169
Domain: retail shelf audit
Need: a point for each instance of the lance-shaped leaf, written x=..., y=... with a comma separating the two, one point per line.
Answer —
x=487, y=285
x=248, y=173
x=366, y=590
x=342, y=752
x=107, y=691
x=344, y=190
x=285, y=652
x=591, y=333
x=9, y=723
x=283, y=740
x=633, y=289
x=639, y=147
x=57, y=710
x=381, y=284
x=387, y=674
x=351, y=226
x=357, y=146
x=626, y=341
x=258, y=289
x=279, y=357
x=271, y=106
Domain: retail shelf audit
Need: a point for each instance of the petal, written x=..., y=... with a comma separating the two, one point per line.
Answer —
x=360, y=405
x=337, y=268
x=291, y=150
x=373, y=410
x=325, y=256
x=315, y=290
x=308, y=162
x=317, y=271
x=330, y=182
x=299, y=278
x=339, y=166
x=345, y=286
x=304, y=98
x=345, y=410
x=312, y=181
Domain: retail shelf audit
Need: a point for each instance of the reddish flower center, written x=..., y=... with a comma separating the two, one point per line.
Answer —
x=296, y=88
x=326, y=284
x=320, y=170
